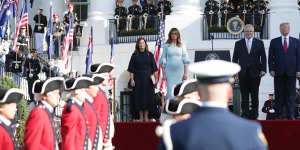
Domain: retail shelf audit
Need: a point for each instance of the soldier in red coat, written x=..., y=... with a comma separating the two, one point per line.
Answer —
x=40, y=129
x=8, y=108
x=74, y=122
x=91, y=113
x=101, y=103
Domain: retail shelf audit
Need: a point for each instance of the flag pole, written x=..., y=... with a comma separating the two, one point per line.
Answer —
x=113, y=103
x=49, y=40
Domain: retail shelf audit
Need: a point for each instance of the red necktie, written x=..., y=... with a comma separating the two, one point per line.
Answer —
x=285, y=45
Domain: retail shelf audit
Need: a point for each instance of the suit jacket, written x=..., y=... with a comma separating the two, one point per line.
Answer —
x=73, y=127
x=251, y=64
x=39, y=133
x=211, y=128
x=281, y=63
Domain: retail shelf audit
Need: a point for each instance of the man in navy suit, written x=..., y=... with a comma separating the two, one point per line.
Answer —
x=284, y=66
x=213, y=126
x=250, y=54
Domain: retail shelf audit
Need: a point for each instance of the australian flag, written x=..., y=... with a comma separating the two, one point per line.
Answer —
x=49, y=36
x=8, y=11
x=143, y=2
x=89, y=53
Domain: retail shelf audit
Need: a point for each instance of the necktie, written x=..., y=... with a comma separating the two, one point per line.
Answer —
x=248, y=46
x=285, y=45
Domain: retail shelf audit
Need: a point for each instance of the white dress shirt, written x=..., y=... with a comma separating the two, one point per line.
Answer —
x=250, y=44
x=287, y=40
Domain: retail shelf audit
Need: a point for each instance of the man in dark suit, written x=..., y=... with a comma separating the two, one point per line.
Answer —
x=213, y=126
x=284, y=66
x=250, y=54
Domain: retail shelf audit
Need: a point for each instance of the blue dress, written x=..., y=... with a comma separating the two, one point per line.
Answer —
x=174, y=59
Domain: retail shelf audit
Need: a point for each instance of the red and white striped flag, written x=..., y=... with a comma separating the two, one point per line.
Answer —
x=23, y=22
x=67, y=42
x=161, y=84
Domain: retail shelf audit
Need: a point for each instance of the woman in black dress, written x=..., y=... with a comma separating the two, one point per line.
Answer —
x=141, y=67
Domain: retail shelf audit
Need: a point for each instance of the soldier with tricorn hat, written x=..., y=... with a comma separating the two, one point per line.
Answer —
x=40, y=129
x=9, y=98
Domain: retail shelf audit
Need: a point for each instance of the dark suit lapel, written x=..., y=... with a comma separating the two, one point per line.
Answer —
x=290, y=44
x=253, y=46
x=244, y=46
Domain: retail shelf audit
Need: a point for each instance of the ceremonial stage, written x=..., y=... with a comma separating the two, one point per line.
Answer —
x=281, y=135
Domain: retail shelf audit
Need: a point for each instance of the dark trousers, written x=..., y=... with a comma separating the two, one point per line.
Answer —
x=285, y=93
x=30, y=82
x=249, y=86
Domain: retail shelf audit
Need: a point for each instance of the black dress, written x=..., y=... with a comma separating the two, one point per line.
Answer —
x=142, y=65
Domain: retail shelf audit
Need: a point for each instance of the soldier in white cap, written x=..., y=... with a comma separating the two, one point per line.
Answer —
x=213, y=126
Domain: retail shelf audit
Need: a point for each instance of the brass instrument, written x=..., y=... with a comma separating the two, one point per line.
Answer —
x=145, y=20
x=130, y=21
x=219, y=15
x=117, y=18
x=262, y=12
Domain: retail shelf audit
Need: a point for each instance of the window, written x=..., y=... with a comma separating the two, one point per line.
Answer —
x=81, y=8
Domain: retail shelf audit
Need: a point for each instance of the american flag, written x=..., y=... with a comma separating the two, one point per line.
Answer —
x=23, y=22
x=67, y=42
x=161, y=84
x=111, y=61
x=89, y=53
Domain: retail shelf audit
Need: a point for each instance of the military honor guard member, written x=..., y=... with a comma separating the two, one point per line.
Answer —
x=95, y=131
x=39, y=30
x=33, y=68
x=269, y=108
x=166, y=5
x=68, y=15
x=213, y=126
x=8, y=109
x=74, y=122
x=23, y=41
x=58, y=31
x=149, y=15
x=187, y=89
x=14, y=61
x=184, y=91
x=120, y=16
x=51, y=70
x=101, y=103
x=40, y=129
x=66, y=22
x=134, y=13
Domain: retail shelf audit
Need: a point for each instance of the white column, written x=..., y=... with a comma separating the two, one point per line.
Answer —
x=284, y=11
x=99, y=13
x=187, y=17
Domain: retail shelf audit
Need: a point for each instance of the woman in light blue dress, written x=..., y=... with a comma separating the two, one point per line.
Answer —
x=174, y=61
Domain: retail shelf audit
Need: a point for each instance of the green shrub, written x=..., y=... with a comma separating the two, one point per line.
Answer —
x=7, y=83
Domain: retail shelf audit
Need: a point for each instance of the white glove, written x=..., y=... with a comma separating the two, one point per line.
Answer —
x=30, y=75
x=271, y=111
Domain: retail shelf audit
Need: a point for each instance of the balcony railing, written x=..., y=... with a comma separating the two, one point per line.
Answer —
x=221, y=33
x=131, y=36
